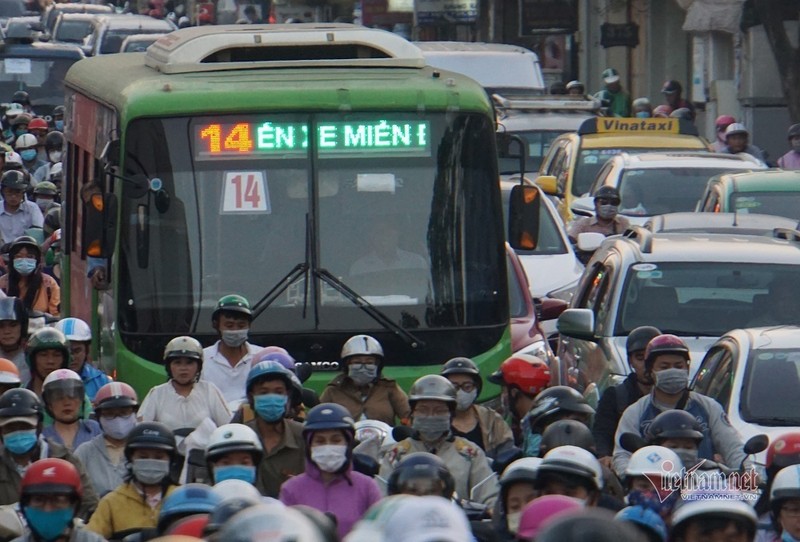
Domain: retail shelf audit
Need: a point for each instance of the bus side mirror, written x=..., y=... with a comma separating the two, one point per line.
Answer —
x=523, y=217
x=100, y=226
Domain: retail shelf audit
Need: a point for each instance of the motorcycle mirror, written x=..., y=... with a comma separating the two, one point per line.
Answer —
x=303, y=371
x=631, y=442
x=756, y=444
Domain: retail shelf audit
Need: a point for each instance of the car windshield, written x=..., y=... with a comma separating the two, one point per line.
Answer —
x=769, y=393
x=550, y=240
x=41, y=78
x=655, y=191
x=538, y=143
x=112, y=40
x=767, y=203
x=138, y=46
x=73, y=31
x=708, y=298
x=11, y=8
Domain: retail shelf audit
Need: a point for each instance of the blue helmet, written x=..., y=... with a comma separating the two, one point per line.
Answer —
x=329, y=416
x=271, y=369
x=187, y=500
x=644, y=518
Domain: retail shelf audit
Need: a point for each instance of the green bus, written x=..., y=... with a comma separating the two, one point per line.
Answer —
x=322, y=171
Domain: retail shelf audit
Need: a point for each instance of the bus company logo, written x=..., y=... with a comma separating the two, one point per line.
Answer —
x=696, y=483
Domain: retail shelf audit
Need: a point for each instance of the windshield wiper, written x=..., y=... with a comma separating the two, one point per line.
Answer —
x=270, y=297
x=375, y=313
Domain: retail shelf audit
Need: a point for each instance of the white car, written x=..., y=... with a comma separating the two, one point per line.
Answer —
x=655, y=183
x=755, y=375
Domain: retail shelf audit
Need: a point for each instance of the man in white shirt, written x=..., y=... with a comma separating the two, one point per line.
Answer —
x=228, y=361
x=17, y=214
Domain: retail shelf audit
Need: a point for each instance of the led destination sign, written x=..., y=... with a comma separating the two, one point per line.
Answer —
x=374, y=137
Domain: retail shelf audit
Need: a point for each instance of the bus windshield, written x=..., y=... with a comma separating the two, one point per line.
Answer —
x=398, y=208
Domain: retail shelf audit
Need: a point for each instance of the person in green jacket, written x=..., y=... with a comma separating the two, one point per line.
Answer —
x=615, y=100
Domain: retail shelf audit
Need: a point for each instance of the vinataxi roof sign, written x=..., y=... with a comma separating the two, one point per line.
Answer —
x=548, y=16
x=619, y=35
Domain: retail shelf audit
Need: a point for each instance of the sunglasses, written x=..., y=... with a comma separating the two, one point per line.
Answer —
x=607, y=201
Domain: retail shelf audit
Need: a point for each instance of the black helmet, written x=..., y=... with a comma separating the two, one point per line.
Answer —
x=14, y=179
x=794, y=130
x=150, y=435
x=567, y=432
x=593, y=524
x=12, y=308
x=640, y=337
x=54, y=141
x=432, y=387
x=463, y=366
x=329, y=416
x=606, y=191
x=225, y=511
x=20, y=402
x=21, y=97
x=554, y=400
x=674, y=424
x=421, y=465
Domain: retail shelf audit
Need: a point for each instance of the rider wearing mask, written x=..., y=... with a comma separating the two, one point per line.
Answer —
x=51, y=492
x=606, y=220
x=516, y=491
x=17, y=213
x=476, y=423
x=54, y=152
x=115, y=406
x=570, y=471
x=329, y=483
x=642, y=108
x=63, y=396
x=135, y=505
x=271, y=390
x=229, y=359
x=737, y=140
x=361, y=389
x=233, y=453
x=551, y=405
x=79, y=335
x=44, y=195
x=720, y=125
x=616, y=399
x=46, y=351
x=652, y=467
x=25, y=279
x=521, y=378
x=703, y=520
x=13, y=333
x=21, y=414
x=791, y=160
x=27, y=146
x=433, y=404
x=784, y=497
x=667, y=364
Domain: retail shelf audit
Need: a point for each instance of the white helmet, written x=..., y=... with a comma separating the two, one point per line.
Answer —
x=426, y=518
x=56, y=170
x=526, y=466
x=575, y=461
x=74, y=329
x=687, y=510
x=374, y=429
x=236, y=489
x=184, y=347
x=60, y=376
x=234, y=437
x=13, y=158
x=63, y=381
x=736, y=128
x=25, y=141
x=361, y=345
x=273, y=523
x=656, y=460
x=786, y=484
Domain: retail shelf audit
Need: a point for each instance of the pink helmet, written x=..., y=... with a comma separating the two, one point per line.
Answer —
x=542, y=510
x=723, y=121
x=662, y=111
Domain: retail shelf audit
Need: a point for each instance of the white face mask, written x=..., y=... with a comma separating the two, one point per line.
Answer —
x=464, y=399
x=329, y=457
x=512, y=520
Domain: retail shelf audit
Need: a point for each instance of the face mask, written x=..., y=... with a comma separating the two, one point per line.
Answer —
x=43, y=203
x=48, y=524
x=25, y=266
x=512, y=520
x=235, y=338
x=59, y=125
x=431, y=427
x=464, y=399
x=150, y=471
x=642, y=115
x=607, y=212
x=649, y=499
x=20, y=442
x=235, y=472
x=54, y=156
x=271, y=407
x=28, y=154
x=672, y=381
x=118, y=428
x=362, y=374
x=20, y=131
x=786, y=537
x=688, y=457
x=531, y=442
x=329, y=457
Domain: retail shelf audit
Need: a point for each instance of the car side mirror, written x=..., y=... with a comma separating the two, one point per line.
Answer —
x=525, y=207
x=548, y=184
x=631, y=442
x=590, y=241
x=756, y=444
x=577, y=323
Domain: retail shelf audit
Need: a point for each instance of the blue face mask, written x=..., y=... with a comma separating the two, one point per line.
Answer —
x=48, y=524
x=20, y=131
x=59, y=125
x=20, y=442
x=28, y=154
x=649, y=499
x=271, y=407
x=235, y=472
x=25, y=266
x=786, y=537
x=642, y=115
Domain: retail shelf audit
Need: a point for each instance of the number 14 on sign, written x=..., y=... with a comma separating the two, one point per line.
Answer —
x=245, y=192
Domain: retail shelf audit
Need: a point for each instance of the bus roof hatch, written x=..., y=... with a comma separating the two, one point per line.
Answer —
x=237, y=47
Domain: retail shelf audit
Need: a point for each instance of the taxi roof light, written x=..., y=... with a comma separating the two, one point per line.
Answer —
x=637, y=127
x=237, y=47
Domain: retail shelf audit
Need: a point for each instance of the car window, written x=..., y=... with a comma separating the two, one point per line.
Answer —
x=721, y=383
x=711, y=203
x=602, y=301
x=767, y=203
x=73, y=31
x=708, y=368
x=769, y=391
x=706, y=298
x=601, y=176
x=550, y=158
x=655, y=191
x=537, y=142
x=594, y=281
x=516, y=296
x=11, y=8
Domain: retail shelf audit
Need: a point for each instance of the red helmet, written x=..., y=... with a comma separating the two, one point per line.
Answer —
x=49, y=476
x=784, y=451
x=665, y=344
x=38, y=123
x=528, y=373
x=723, y=121
x=189, y=526
x=115, y=394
